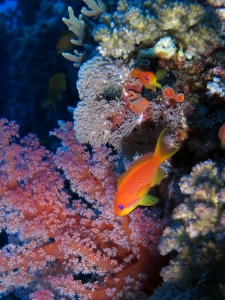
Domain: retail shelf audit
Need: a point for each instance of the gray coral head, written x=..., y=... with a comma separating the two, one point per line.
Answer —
x=164, y=48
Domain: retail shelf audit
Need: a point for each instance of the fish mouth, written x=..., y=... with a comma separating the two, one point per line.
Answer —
x=126, y=209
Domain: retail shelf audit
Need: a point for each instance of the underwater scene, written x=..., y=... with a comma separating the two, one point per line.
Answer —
x=112, y=150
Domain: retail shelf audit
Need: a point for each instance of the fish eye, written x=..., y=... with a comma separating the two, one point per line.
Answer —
x=120, y=207
x=146, y=77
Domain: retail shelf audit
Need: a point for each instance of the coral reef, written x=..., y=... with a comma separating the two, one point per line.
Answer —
x=77, y=26
x=160, y=66
x=216, y=87
x=96, y=9
x=197, y=236
x=164, y=48
x=59, y=246
x=101, y=116
x=119, y=104
x=130, y=25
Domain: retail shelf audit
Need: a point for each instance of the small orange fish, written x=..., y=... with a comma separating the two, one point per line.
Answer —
x=145, y=172
x=64, y=44
x=149, y=79
x=56, y=86
x=221, y=135
x=169, y=93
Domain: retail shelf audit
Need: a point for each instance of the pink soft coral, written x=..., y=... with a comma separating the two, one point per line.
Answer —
x=55, y=240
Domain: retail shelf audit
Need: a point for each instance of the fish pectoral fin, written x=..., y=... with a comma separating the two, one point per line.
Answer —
x=160, y=174
x=148, y=200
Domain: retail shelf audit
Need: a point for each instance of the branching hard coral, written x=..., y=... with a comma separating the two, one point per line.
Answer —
x=131, y=24
x=96, y=8
x=77, y=26
x=62, y=248
x=202, y=40
x=126, y=30
x=197, y=233
x=77, y=58
x=175, y=17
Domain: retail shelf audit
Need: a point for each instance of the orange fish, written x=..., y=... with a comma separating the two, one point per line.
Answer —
x=145, y=172
x=56, y=86
x=221, y=135
x=169, y=93
x=149, y=79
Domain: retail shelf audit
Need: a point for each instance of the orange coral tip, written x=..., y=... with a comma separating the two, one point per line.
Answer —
x=168, y=93
x=181, y=97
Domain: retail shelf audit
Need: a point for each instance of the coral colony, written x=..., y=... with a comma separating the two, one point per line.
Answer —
x=144, y=67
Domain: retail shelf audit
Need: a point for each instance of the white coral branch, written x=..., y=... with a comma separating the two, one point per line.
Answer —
x=77, y=58
x=77, y=26
x=96, y=8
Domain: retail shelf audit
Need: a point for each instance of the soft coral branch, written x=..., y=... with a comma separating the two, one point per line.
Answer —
x=53, y=240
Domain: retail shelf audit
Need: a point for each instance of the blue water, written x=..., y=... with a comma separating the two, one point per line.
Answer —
x=10, y=4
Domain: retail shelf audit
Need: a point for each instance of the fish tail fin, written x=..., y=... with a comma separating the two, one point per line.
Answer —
x=162, y=151
x=47, y=104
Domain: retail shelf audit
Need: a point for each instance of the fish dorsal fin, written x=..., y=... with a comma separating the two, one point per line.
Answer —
x=136, y=164
x=148, y=200
x=162, y=151
x=160, y=174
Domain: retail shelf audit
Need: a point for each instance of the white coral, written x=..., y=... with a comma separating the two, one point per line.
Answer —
x=92, y=116
x=96, y=8
x=77, y=58
x=215, y=87
x=164, y=48
x=197, y=231
x=77, y=26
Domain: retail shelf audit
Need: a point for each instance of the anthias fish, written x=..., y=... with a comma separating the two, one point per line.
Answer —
x=149, y=79
x=145, y=172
